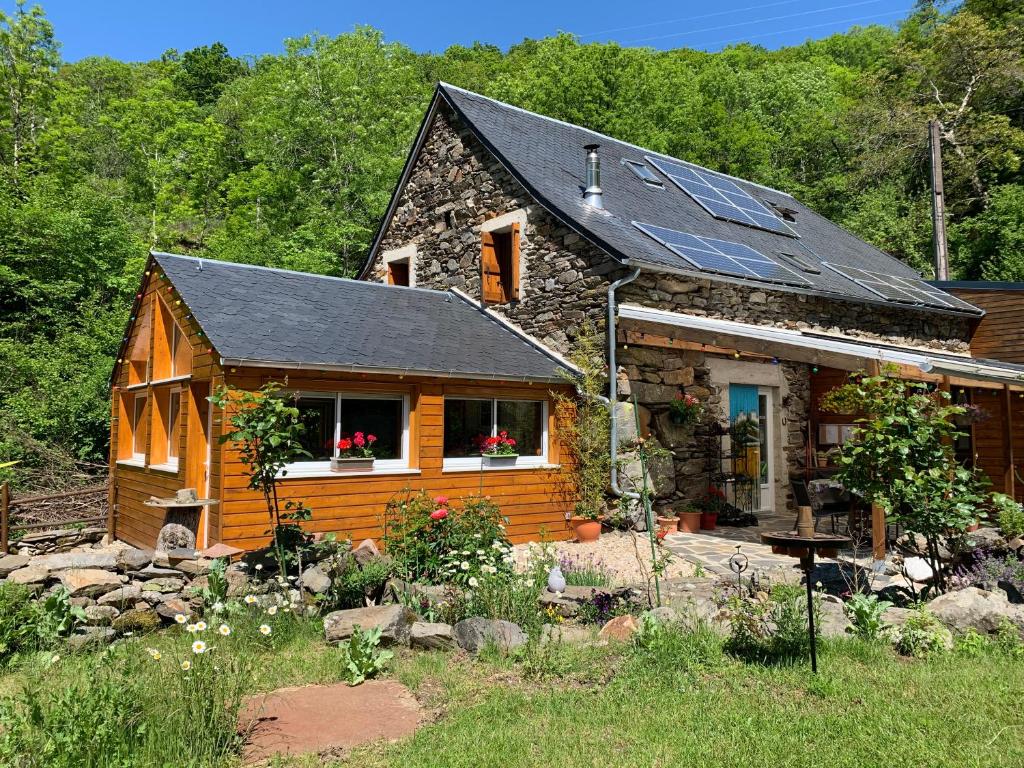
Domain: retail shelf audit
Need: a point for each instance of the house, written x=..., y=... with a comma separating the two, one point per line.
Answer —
x=427, y=372
x=507, y=235
x=701, y=283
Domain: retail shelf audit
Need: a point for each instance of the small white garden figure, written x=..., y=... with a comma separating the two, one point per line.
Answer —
x=556, y=581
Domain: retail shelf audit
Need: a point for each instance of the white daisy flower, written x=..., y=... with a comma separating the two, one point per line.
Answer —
x=473, y=582
x=218, y=607
x=264, y=629
x=198, y=647
x=186, y=665
x=250, y=599
x=200, y=626
x=464, y=565
x=191, y=628
x=154, y=653
x=259, y=566
x=272, y=610
x=224, y=629
x=181, y=618
x=480, y=552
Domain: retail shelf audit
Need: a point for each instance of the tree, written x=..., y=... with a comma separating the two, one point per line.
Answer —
x=204, y=72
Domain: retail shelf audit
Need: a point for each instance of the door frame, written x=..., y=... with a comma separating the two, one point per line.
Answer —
x=767, y=488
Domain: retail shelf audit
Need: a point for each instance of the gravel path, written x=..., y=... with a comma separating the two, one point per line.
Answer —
x=625, y=555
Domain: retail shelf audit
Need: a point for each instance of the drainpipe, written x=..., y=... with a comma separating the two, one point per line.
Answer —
x=613, y=386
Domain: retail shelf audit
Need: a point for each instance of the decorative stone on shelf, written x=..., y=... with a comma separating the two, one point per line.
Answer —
x=182, y=517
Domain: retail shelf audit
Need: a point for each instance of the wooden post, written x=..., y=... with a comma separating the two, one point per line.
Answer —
x=5, y=510
x=877, y=510
x=1010, y=482
x=938, y=204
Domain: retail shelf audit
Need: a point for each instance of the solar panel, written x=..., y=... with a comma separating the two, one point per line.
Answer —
x=905, y=290
x=721, y=197
x=722, y=256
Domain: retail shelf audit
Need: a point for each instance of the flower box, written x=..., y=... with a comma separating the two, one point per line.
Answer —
x=350, y=464
x=499, y=459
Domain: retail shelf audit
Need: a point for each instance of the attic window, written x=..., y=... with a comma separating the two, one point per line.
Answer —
x=499, y=265
x=645, y=174
x=398, y=272
x=784, y=213
x=801, y=262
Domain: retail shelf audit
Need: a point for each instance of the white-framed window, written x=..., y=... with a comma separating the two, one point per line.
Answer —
x=400, y=266
x=468, y=421
x=330, y=416
x=138, y=414
x=173, y=426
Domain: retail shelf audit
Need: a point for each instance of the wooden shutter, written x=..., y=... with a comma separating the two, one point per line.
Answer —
x=513, y=288
x=490, y=271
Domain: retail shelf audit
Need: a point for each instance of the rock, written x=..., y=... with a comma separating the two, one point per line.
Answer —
x=170, y=608
x=571, y=634
x=366, y=552
x=122, y=597
x=133, y=559
x=100, y=615
x=315, y=580
x=9, y=563
x=896, y=617
x=175, y=536
x=423, y=596
x=198, y=567
x=621, y=628
x=221, y=550
x=155, y=571
x=88, y=582
x=104, y=559
x=832, y=620
x=974, y=608
x=475, y=633
x=664, y=615
x=31, y=574
x=567, y=603
x=163, y=584
x=918, y=569
x=90, y=637
x=137, y=620
x=237, y=579
x=986, y=538
x=431, y=636
x=395, y=623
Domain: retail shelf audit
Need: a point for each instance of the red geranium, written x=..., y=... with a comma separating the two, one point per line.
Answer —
x=441, y=500
x=502, y=445
x=344, y=444
x=358, y=446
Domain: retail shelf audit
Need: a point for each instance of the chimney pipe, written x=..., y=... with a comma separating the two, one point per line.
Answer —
x=592, y=194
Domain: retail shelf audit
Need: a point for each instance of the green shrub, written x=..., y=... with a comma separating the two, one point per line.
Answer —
x=28, y=624
x=664, y=650
x=352, y=584
x=922, y=635
x=865, y=614
x=769, y=628
x=1009, y=515
x=362, y=657
x=433, y=540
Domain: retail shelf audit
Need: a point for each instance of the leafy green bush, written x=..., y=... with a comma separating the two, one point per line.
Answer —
x=1009, y=515
x=922, y=635
x=865, y=614
x=433, y=540
x=28, y=624
x=666, y=649
x=362, y=657
x=769, y=628
x=352, y=584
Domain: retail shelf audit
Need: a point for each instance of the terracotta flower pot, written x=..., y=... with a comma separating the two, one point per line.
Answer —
x=708, y=521
x=668, y=524
x=689, y=522
x=586, y=530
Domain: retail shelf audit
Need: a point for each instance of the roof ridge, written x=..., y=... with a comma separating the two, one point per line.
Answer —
x=243, y=265
x=449, y=86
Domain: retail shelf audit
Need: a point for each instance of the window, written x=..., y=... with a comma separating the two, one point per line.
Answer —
x=469, y=421
x=173, y=427
x=644, y=173
x=328, y=417
x=398, y=272
x=181, y=353
x=138, y=427
x=801, y=262
x=166, y=426
x=499, y=265
x=138, y=358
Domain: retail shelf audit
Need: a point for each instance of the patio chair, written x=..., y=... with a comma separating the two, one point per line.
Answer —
x=821, y=507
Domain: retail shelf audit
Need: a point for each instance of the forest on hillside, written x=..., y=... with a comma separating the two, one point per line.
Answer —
x=289, y=160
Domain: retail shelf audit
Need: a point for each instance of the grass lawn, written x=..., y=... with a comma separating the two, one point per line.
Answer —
x=681, y=703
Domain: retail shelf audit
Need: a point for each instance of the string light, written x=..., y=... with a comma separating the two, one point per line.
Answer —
x=775, y=361
x=814, y=369
x=736, y=354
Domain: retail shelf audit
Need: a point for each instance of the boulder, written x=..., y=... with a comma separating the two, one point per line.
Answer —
x=366, y=552
x=163, y=584
x=175, y=536
x=133, y=559
x=832, y=620
x=155, y=571
x=237, y=579
x=315, y=580
x=122, y=597
x=395, y=622
x=974, y=608
x=896, y=617
x=664, y=615
x=100, y=615
x=620, y=629
x=199, y=566
x=91, y=637
x=30, y=574
x=98, y=558
x=571, y=634
x=221, y=550
x=475, y=633
x=138, y=620
x=918, y=569
x=431, y=636
x=88, y=582
x=10, y=563
x=170, y=608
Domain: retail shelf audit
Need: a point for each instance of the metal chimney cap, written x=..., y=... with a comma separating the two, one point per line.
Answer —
x=591, y=147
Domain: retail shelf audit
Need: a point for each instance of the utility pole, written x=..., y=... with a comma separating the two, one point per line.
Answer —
x=938, y=204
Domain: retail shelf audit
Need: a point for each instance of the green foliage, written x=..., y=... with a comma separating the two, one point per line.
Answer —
x=28, y=624
x=921, y=635
x=769, y=628
x=267, y=433
x=865, y=614
x=902, y=457
x=432, y=540
x=352, y=584
x=1009, y=515
x=362, y=658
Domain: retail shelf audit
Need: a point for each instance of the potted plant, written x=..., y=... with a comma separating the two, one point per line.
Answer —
x=709, y=506
x=689, y=521
x=685, y=410
x=668, y=523
x=499, y=451
x=586, y=523
x=355, y=454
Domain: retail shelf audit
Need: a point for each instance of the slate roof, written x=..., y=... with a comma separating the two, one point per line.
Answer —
x=547, y=157
x=256, y=315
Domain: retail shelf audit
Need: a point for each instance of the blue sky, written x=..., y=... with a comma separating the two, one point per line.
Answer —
x=143, y=29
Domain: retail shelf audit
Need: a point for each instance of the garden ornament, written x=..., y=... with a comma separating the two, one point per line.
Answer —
x=556, y=581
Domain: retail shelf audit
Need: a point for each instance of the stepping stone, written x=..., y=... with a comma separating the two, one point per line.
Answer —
x=322, y=718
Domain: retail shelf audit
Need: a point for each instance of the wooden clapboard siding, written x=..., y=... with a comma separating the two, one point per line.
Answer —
x=133, y=521
x=990, y=449
x=1000, y=334
x=534, y=500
